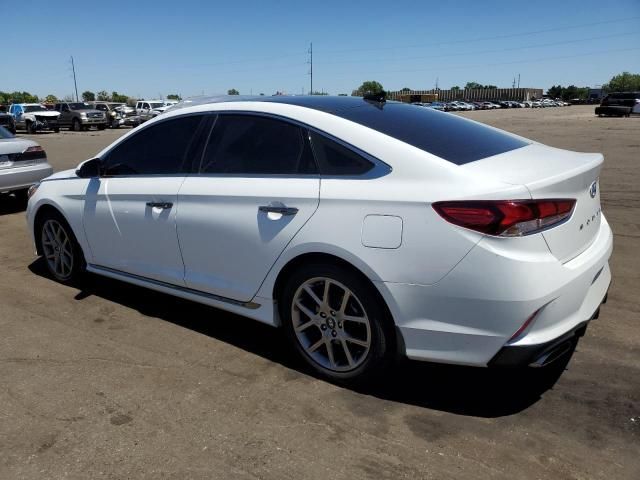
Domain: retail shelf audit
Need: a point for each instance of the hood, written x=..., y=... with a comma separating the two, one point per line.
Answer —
x=48, y=113
x=71, y=173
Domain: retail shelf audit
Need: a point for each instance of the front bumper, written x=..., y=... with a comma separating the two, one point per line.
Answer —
x=470, y=315
x=18, y=178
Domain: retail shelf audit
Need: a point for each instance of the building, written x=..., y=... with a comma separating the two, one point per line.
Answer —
x=473, y=95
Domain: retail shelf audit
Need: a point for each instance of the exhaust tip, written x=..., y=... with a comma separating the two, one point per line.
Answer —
x=552, y=355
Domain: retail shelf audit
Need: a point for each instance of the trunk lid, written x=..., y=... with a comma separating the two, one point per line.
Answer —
x=553, y=173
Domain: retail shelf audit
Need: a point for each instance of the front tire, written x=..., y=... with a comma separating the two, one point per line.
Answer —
x=31, y=128
x=336, y=322
x=61, y=252
x=76, y=125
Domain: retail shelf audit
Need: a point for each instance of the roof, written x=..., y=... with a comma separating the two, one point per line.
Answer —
x=447, y=136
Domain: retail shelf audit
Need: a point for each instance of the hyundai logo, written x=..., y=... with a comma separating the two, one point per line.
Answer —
x=593, y=189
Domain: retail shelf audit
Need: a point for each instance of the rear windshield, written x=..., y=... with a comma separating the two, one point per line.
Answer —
x=442, y=134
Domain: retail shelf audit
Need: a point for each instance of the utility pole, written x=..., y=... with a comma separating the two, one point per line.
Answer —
x=311, y=66
x=73, y=67
x=518, y=80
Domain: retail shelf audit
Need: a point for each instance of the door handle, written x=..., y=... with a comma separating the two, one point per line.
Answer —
x=162, y=205
x=281, y=210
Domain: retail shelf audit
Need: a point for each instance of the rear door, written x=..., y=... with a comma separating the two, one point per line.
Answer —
x=130, y=211
x=257, y=186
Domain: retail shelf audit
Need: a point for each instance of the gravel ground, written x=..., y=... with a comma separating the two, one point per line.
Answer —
x=113, y=381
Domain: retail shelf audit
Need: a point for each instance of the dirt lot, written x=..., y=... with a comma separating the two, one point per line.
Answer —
x=112, y=381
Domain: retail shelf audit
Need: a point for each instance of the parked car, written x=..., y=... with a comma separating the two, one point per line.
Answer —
x=34, y=117
x=490, y=105
x=111, y=111
x=79, y=116
x=621, y=104
x=437, y=106
x=7, y=121
x=129, y=116
x=441, y=239
x=144, y=108
x=22, y=163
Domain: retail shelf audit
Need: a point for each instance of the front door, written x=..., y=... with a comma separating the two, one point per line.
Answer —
x=130, y=211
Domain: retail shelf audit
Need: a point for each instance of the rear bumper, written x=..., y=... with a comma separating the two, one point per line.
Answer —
x=472, y=314
x=23, y=177
x=540, y=355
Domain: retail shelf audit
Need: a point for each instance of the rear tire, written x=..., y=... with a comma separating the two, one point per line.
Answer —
x=61, y=252
x=337, y=323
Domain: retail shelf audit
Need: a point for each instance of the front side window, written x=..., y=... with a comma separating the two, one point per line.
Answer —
x=161, y=149
x=250, y=144
x=336, y=159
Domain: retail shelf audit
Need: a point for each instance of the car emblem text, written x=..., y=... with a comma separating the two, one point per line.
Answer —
x=593, y=189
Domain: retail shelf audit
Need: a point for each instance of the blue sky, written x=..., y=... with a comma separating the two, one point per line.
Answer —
x=152, y=48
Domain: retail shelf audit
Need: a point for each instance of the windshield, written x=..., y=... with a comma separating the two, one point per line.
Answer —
x=35, y=108
x=156, y=104
x=79, y=106
x=4, y=133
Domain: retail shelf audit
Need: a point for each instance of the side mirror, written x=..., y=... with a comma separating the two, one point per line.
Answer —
x=89, y=168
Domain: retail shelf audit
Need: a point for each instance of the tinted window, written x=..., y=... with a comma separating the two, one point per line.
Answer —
x=248, y=144
x=160, y=149
x=335, y=159
x=446, y=135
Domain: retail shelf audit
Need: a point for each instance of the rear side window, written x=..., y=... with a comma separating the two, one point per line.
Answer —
x=250, y=144
x=161, y=149
x=442, y=134
x=336, y=159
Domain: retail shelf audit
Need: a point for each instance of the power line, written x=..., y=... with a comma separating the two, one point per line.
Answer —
x=530, y=60
x=495, y=37
x=480, y=52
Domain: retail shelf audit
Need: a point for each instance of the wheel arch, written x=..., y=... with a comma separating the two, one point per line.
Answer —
x=41, y=213
x=322, y=257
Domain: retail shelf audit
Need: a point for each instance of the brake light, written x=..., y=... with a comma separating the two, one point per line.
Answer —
x=36, y=148
x=506, y=218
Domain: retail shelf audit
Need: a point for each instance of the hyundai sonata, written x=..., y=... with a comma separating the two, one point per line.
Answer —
x=365, y=229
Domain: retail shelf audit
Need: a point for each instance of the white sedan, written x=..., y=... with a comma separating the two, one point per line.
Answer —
x=22, y=163
x=366, y=230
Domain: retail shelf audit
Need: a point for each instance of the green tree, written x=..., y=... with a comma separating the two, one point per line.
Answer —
x=233, y=91
x=50, y=99
x=343, y=95
x=18, y=97
x=489, y=87
x=555, y=91
x=370, y=87
x=319, y=93
x=473, y=86
x=623, y=82
x=103, y=96
x=88, y=96
x=456, y=88
x=174, y=96
x=116, y=97
x=406, y=89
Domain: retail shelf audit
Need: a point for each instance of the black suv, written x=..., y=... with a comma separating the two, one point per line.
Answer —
x=619, y=104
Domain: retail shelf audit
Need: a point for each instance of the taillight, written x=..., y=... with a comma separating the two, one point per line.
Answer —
x=506, y=218
x=33, y=153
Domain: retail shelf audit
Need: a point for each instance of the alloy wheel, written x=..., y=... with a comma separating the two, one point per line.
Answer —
x=331, y=324
x=57, y=248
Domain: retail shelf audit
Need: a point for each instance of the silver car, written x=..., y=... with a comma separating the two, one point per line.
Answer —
x=22, y=163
